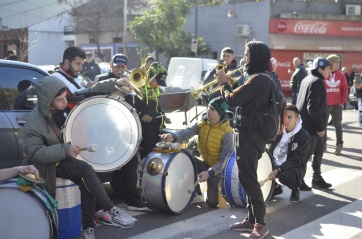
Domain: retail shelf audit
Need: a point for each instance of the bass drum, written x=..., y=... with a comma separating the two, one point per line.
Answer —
x=231, y=188
x=26, y=214
x=110, y=124
x=172, y=188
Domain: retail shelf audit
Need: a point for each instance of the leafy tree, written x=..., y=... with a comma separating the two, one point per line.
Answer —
x=160, y=29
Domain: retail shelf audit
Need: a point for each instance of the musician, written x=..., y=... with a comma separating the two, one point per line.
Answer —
x=7, y=173
x=252, y=98
x=215, y=144
x=289, y=151
x=127, y=175
x=149, y=111
x=44, y=147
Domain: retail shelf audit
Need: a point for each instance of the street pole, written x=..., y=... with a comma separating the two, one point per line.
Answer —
x=125, y=27
x=196, y=23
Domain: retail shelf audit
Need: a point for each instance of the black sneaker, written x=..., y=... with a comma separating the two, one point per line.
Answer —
x=320, y=184
x=294, y=197
x=137, y=205
x=277, y=190
x=305, y=187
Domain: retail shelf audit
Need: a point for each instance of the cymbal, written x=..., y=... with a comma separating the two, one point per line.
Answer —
x=31, y=177
x=154, y=166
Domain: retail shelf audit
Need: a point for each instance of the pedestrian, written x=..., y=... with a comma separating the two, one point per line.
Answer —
x=297, y=77
x=312, y=106
x=337, y=93
x=251, y=99
x=90, y=68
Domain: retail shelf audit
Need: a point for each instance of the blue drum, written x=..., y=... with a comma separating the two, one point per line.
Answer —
x=231, y=188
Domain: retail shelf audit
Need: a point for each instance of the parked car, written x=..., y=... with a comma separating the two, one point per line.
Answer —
x=15, y=77
x=105, y=67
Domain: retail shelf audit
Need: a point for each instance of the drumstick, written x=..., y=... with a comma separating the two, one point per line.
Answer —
x=263, y=181
x=190, y=190
x=89, y=148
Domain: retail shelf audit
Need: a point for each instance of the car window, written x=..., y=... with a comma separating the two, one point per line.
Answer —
x=16, y=88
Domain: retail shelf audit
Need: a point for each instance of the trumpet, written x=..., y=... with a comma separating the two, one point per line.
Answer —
x=138, y=78
x=85, y=80
x=220, y=66
x=213, y=86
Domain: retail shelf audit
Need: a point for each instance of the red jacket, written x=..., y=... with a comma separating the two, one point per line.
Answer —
x=337, y=88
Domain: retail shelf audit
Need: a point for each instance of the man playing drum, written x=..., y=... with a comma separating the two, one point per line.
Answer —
x=215, y=143
x=44, y=147
x=289, y=151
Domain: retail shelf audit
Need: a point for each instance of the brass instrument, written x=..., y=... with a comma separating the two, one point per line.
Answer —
x=212, y=87
x=220, y=66
x=138, y=78
x=85, y=80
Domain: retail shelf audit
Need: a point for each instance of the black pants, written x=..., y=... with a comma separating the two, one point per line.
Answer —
x=150, y=137
x=317, y=150
x=249, y=148
x=91, y=188
x=292, y=178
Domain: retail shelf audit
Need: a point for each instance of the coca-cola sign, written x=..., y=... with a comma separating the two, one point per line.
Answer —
x=281, y=26
x=311, y=28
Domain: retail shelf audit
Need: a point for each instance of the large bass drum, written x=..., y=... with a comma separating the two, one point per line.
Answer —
x=110, y=124
x=231, y=188
x=171, y=188
x=26, y=214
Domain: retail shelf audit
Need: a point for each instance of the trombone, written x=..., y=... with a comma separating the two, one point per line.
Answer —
x=138, y=78
x=213, y=86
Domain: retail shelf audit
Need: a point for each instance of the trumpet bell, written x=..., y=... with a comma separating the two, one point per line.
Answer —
x=138, y=77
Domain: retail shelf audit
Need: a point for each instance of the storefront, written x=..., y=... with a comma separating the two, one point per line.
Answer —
x=308, y=39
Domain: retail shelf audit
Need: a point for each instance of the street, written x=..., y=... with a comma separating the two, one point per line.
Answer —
x=333, y=213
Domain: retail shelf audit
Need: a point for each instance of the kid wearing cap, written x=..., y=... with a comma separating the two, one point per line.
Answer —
x=215, y=144
x=150, y=113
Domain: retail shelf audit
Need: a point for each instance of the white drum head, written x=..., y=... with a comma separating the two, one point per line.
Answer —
x=264, y=169
x=22, y=216
x=179, y=180
x=112, y=125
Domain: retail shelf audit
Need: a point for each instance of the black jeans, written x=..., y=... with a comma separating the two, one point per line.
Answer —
x=316, y=149
x=292, y=178
x=336, y=112
x=249, y=148
x=91, y=188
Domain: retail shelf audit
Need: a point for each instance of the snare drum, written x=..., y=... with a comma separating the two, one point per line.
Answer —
x=25, y=214
x=172, y=189
x=231, y=188
x=110, y=124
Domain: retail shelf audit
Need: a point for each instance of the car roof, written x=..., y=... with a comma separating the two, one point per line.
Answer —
x=21, y=65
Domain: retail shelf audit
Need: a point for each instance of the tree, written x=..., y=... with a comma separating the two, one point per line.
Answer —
x=94, y=16
x=160, y=29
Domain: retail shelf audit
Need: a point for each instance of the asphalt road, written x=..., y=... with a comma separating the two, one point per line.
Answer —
x=333, y=213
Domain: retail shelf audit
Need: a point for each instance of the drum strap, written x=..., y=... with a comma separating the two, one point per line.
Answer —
x=57, y=130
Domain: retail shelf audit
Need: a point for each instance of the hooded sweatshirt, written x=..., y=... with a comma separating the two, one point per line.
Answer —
x=336, y=88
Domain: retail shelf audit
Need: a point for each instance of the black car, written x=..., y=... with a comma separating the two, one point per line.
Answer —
x=17, y=99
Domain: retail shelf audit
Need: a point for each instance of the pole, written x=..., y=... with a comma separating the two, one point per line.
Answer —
x=196, y=23
x=125, y=27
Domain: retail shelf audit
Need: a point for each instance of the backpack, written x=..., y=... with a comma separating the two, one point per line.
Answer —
x=272, y=120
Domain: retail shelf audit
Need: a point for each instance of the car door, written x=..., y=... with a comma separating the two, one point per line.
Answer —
x=16, y=102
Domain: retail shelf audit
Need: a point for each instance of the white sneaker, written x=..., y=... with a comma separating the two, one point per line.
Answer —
x=121, y=219
x=88, y=233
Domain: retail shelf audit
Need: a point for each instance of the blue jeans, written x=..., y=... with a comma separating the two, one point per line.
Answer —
x=294, y=97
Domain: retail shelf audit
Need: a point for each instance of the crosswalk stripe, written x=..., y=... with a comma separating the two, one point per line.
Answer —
x=342, y=224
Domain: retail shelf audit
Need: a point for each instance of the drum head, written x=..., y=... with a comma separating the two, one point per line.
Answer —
x=22, y=216
x=112, y=125
x=265, y=167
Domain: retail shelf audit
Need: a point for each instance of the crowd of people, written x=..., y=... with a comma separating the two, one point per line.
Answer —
x=319, y=91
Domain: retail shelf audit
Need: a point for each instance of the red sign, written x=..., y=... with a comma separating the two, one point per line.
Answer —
x=315, y=27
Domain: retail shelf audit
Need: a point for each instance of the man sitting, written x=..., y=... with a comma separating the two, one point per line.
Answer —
x=289, y=151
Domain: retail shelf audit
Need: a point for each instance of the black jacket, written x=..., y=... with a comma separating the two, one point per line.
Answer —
x=297, y=150
x=299, y=74
x=91, y=70
x=312, y=104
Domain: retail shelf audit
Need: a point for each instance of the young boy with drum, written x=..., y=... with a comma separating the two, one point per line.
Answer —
x=215, y=144
x=44, y=147
x=289, y=151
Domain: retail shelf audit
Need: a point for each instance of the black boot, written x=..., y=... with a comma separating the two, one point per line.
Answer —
x=305, y=187
x=319, y=183
x=294, y=197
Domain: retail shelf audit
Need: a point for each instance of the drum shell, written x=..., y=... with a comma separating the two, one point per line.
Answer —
x=169, y=190
x=109, y=123
x=231, y=188
x=69, y=208
x=25, y=214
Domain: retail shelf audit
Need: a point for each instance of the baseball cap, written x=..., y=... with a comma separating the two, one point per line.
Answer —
x=320, y=62
x=119, y=59
x=157, y=71
x=89, y=54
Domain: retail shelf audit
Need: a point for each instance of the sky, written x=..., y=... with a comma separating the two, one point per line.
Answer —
x=24, y=13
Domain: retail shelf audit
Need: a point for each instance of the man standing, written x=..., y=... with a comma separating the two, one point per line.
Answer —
x=118, y=67
x=337, y=93
x=90, y=68
x=252, y=98
x=297, y=78
x=312, y=106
